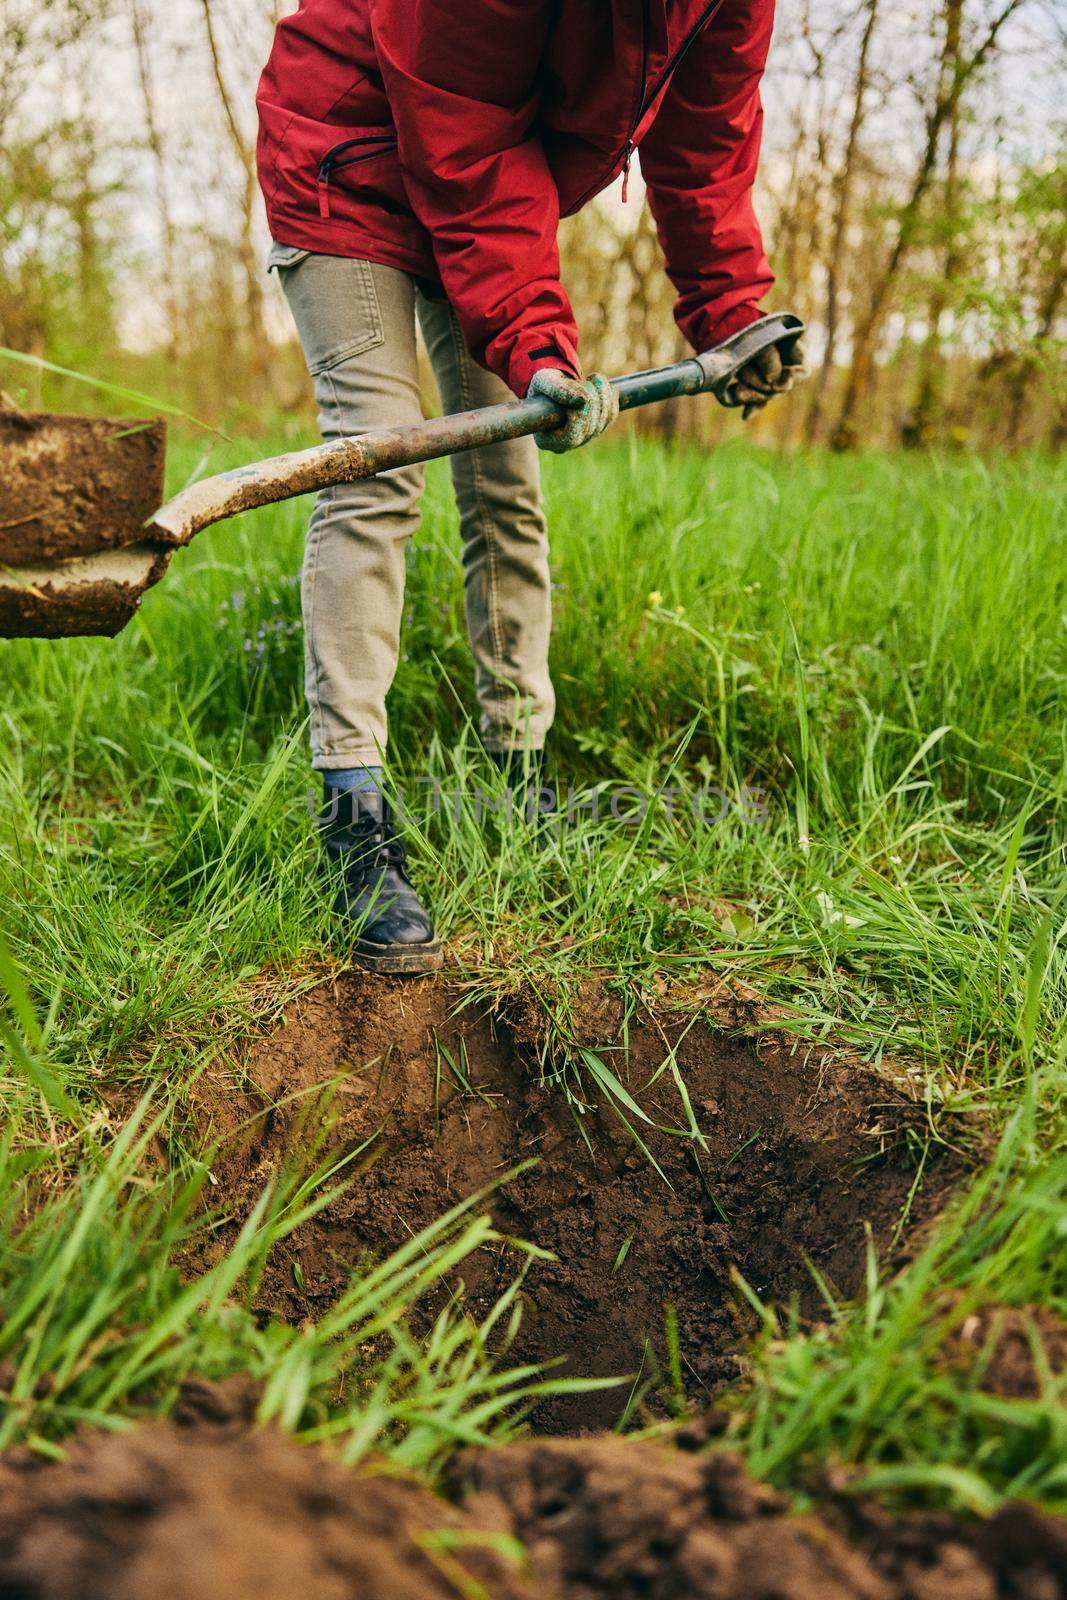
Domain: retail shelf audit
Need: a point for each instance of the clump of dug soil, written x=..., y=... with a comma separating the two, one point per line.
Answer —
x=797, y=1155
x=167, y=1513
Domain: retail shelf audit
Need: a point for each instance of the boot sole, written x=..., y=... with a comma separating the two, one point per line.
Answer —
x=398, y=959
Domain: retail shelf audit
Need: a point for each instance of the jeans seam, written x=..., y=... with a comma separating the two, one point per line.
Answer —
x=371, y=302
x=496, y=637
x=325, y=499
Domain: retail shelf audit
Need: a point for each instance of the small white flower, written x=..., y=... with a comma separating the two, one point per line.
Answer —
x=832, y=916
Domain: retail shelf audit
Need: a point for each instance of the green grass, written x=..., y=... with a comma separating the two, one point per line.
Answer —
x=875, y=644
x=106, y=1324
x=106, y=1313
x=878, y=644
x=876, y=1390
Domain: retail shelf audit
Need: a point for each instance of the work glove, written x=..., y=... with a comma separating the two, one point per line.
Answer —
x=768, y=374
x=591, y=404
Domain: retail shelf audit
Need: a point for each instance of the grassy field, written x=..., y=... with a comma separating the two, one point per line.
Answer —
x=850, y=673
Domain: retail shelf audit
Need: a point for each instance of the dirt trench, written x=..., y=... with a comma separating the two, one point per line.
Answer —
x=799, y=1152
x=798, y=1155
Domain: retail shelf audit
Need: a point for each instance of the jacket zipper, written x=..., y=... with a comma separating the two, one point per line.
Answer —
x=641, y=97
x=330, y=164
x=648, y=94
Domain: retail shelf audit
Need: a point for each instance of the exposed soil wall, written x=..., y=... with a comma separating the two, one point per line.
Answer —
x=798, y=1154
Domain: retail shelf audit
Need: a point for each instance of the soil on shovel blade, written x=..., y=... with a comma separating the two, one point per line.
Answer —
x=205, y=1511
x=70, y=486
x=798, y=1155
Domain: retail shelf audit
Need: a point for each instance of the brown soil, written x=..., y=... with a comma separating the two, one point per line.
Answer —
x=203, y=1515
x=800, y=1151
x=77, y=490
x=73, y=485
x=800, y=1154
x=1013, y=1349
x=186, y=1514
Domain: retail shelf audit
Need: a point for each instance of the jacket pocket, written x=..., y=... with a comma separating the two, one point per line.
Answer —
x=335, y=166
x=351, y=172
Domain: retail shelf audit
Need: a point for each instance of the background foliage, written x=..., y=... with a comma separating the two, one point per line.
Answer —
x=912, y=193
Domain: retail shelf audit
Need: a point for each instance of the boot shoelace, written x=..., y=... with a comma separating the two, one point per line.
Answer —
x=377, y=844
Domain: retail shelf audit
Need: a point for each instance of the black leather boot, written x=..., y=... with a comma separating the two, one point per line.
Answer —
x=396, y=932
x=533, y=795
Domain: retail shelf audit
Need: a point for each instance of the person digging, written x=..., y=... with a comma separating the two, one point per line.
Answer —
x=415, y=159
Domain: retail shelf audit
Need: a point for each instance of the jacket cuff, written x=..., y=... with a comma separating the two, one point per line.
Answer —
x=537, y=351
x=709, y=331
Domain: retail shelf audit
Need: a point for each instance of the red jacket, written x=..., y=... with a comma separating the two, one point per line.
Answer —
x=447, y=137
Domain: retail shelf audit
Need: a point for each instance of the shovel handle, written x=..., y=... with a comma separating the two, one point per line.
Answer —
x=364, y=455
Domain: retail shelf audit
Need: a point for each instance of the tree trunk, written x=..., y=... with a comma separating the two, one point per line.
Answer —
x=246, y=248
x=159, y=169
x=1023, y=377
x=945, y=105
x=839, y=233
x=922, y=425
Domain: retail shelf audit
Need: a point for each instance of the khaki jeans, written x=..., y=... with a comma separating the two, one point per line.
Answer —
x=356, y=322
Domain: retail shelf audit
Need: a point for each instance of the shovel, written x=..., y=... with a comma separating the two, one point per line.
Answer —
x=83, y=537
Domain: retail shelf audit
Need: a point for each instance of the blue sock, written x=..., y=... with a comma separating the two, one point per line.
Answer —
x=360, y=780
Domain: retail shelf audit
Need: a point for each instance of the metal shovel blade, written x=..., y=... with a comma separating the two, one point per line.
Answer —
x=76, y=498
x=95, y=594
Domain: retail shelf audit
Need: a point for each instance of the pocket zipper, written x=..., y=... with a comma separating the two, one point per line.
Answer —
x=641, y=98
x=648, y=94
x=330, y=163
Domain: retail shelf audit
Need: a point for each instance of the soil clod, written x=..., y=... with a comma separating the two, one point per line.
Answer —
x=180, y=1514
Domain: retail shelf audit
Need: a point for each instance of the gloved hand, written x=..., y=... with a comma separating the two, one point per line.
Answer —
x=591, y=403
x=769, y=374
